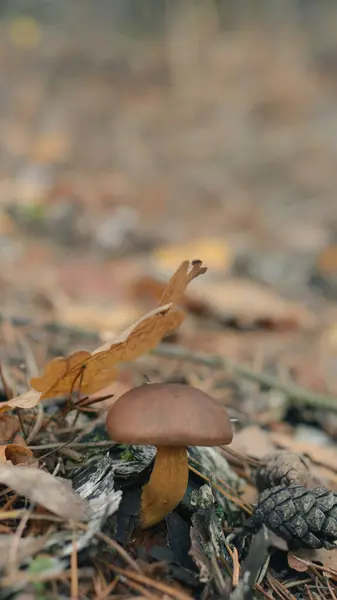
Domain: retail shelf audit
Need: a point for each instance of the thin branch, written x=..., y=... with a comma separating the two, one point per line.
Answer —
x=295, y=394
x=75, y=445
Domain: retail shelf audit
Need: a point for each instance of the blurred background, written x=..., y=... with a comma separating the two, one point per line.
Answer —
x=135, y=134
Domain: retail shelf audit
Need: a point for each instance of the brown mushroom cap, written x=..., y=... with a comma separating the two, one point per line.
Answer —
x=168, y=414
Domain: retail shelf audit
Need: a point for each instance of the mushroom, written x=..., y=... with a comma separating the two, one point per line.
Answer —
x=170, y=416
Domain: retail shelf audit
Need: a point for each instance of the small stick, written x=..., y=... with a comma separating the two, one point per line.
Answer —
x=75, y=445
x=295, y=394
x=236, y=567
x=74, y=572
x=37, y=425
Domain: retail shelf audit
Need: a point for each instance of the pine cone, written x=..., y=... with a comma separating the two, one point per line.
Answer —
x=282, y=468
x=305, y=518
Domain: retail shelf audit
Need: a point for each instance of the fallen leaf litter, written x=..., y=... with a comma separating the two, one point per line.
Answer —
x=305, y=517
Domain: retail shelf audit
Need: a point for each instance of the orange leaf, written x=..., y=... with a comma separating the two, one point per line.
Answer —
x=18, y=454
x=96, y=370
x=180, y=280
x=58, y=367
x=90, y=373
x=9, y=426
x=99, y=369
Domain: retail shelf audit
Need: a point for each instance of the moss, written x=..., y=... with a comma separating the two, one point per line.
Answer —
x=127, y=455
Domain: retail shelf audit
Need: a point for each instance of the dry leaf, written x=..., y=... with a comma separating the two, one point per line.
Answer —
x=296, y=558
x=27, y=400
x=58, y=367
x=17, y=454
x=93, y=372
x=54, y=494
x=252, y=441
x=9, y=426
x=248, y=304
x=319, y=454
x=180, y=280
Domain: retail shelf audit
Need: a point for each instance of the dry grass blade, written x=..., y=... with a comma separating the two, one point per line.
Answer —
x=236, y=567
x=108, y=589
x=158, y=585
x=227, y=495
x=279, y=588
x=120, y=550
x=310, y=596
x=260, y=589
x=323, y=569
x=139, y=588
x=332, y=593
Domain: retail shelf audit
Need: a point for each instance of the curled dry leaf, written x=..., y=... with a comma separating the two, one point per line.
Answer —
x=9, y=426
x=180, y=280
x=252, y=441
x=27, y=400
x=92, y=372
x=54, y=494
x=17, y=454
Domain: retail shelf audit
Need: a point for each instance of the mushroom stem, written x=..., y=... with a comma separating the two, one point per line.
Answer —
x=166, y=486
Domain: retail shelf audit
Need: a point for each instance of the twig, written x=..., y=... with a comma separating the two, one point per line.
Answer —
x=332, y=593
x=139, y=588
x=295, y=394
x=251, y=566
x=109, y=588
x=236, y=567
x=37, y=424
x=157, y=585
x=75, y=445
x=115, y=546
x=74, y=572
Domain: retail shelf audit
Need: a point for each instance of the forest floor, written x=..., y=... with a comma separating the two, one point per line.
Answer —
x=119, y=162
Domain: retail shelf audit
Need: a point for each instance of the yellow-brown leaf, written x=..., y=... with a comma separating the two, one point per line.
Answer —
x=89, y=373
